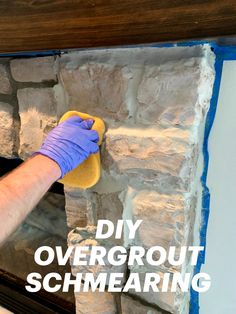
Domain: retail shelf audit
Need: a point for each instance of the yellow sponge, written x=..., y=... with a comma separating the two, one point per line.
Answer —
x=88, y=173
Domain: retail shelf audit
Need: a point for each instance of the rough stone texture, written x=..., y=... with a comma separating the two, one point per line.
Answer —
x=150, y=155
x=165, y=218
x=86, y=207
x=81, y=207
x=5, y=85
x=105, y=210
x=97, y=89
x=86, y=237
x=6, y=130
x=110, y=207
x=166, y=221
x=76, y=207
x=33, y=69
x=160, y=156
x=154, y=102
x=38, y=114
x=95, y=302
x=131, y=306
x=164, y=300
x=167, y=94
x=162, y=215
x=138, y=148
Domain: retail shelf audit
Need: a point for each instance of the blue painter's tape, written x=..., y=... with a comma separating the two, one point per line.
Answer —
x=194, y=302
x=29, y=54
x=222, y=54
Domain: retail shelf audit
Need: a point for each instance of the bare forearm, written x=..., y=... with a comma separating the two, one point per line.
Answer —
x=22, y=189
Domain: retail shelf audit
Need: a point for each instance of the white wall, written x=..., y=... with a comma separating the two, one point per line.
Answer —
x=221, y=236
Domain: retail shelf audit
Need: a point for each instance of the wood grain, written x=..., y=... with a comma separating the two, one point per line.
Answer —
x=29, y=25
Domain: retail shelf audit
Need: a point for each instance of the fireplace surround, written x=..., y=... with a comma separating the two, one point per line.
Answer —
x=154, y=102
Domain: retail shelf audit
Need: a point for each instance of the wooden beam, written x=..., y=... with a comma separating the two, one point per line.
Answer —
x=30, y=25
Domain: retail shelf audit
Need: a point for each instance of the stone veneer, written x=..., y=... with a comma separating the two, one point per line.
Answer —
x=154, y=102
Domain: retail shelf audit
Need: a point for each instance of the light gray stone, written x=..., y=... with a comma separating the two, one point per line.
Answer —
x=164, y=300
x=162, y=218
x=86, y=207
x=110, y=207
x=76, y=207
x=81, y=207
x=97, y=89
x=86, y=237
x=131, y=306
x=38, y=115
x=163, y=158
x=95, y=303
x=33, y=69
x=6, y=130
x=154, y=102
x=168, y=94
x=166, y=221
x=5, y=85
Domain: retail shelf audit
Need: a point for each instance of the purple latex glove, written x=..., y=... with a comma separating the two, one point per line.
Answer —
x=70, y=143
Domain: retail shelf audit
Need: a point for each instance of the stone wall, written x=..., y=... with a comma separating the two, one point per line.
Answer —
x=154, y=102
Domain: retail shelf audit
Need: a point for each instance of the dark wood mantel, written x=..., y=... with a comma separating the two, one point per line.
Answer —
x=29, y=25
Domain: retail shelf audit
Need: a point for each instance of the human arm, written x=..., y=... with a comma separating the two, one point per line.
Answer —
x=22, y=189
x=65, y=147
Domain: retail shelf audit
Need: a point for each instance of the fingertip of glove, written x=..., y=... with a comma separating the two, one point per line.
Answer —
x=74, y=119
x=87, y=124
x=96, y=151
x=90, y=122
x=94, y=148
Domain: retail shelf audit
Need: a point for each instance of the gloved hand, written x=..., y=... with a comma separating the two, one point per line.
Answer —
x=70, y=143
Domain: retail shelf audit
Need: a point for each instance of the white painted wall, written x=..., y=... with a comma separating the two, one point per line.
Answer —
x=221, y=236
